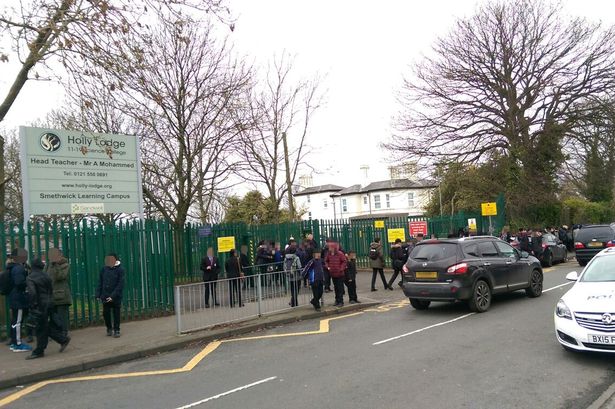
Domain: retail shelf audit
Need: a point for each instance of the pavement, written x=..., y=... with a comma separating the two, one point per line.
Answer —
x=91, y=348
x=384, y=356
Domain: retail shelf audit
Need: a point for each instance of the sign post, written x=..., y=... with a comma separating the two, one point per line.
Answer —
x=418, y=227
x=394, y=234
x=72, y=172
x=489, y=209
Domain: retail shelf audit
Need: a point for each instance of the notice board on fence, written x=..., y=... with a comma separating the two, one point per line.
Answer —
x=418, y=227
x=394, y=234
x=226, y=244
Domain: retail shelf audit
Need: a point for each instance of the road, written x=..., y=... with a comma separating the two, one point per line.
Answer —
x=388, y=357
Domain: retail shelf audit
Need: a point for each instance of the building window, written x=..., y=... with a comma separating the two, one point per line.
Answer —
x=344, y=205
x=325, y=204
x=308, y=199
x=410, y=199
x=376, y=201
x=365, y=200
x=388, y=198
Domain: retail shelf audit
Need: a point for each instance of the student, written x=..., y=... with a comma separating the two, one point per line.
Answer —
x=376, y=261
x=58, y=269
x=210, y=269
x=336, y=264
x=232, y=266
x=314, y=272
x=350, y=278
x=40, y=294
x=18, y=301
x=110, y=291
x=292, y=267
x=397, y=260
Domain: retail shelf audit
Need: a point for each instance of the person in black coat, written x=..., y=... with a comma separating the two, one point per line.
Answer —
x=110, y=291
x=18, y=301
x=397, y=261
x=232, y=266
x=210, y=269
x=40, y=294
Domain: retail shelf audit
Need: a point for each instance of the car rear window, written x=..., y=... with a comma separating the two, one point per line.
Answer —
x=600, y=269
x=434, y=251
x=600, y=233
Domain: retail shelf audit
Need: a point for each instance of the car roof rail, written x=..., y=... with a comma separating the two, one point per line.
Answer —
x=477, y=237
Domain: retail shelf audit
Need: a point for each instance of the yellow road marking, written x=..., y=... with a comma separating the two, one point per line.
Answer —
x=190, y=365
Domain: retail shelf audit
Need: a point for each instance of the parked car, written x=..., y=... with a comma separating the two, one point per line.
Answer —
x=592, y=239
x=469, y=269
x=553, y=251
x=584, y=316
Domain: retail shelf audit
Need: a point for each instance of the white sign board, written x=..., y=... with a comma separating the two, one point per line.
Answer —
x=73, y=172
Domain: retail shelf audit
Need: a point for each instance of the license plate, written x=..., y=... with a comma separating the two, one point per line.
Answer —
x=594, y=244
x=601, y=339
x=431, y=275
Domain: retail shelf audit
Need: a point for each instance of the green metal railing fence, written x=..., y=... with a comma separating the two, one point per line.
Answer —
x=158, y=255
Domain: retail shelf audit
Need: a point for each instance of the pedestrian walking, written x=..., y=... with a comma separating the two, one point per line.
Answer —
x=110, y=292
x=323, y=256
x=58, y=270
x=292, y=267
x=336, y=264
x=210, y=269
x=397, y=261
x=42, y=316
x=376, y=261
x=314, y=272
x=350, y=277
x=18, y=301
x=232, y=266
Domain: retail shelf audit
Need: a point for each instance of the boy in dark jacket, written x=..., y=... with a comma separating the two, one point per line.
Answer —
x=210, y=269
x=40, y=294
x=350, y=278
x=18, y=301
x=58, y=269
x=397, y=261
x=109, y=291
x=314, y=272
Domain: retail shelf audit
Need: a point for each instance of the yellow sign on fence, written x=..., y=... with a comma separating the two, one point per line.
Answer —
x=394, y=234
x=489, y=209
x=379, y=224
x=226, y=244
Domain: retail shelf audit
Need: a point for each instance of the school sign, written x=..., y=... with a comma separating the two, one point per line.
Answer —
x=74, y=172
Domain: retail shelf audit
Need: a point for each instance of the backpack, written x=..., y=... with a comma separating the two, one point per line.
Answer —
x=6, y=283
x=373, y=253
x=290, y=266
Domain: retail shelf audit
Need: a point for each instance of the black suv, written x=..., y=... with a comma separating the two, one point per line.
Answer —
x=469, y=269
x=591, y=240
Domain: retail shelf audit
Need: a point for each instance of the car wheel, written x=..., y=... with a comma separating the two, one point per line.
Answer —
x=481, y=297
x=535, y=288
x=419, y=304
x=548, y=259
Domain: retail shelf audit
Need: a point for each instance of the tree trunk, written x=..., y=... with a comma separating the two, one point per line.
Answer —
x=289, y=184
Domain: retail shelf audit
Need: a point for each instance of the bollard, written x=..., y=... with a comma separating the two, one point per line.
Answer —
x=178, y=317
x=259, y=294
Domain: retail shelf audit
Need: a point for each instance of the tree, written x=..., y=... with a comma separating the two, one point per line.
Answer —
x=511, y=78
x=66, y=34
x=13, y=202
x=273, y=140
x=254, y=208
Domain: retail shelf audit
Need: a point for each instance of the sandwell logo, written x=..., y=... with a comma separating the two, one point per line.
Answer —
x=50, y=142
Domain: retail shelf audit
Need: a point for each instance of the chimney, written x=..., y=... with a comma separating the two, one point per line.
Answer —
x=364, y=174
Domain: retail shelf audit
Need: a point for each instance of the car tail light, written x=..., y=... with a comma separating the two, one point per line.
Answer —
x=460, y=268
x=579, y=245
x=611, y=243
x=404, y=269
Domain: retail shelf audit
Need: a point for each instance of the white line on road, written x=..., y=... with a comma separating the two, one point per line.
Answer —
x=241, y=388
x=557, y=286
x=423, y=329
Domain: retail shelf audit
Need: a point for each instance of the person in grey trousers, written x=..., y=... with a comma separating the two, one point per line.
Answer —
x=58, y=269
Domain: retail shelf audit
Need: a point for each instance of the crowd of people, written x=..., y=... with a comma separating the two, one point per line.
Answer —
x=530, y=240
x=39, y=297
x=303, y=264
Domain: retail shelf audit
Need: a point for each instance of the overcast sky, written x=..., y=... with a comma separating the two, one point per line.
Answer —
x=362, y=49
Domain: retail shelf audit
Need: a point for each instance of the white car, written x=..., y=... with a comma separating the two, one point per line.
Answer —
x=585, y=315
